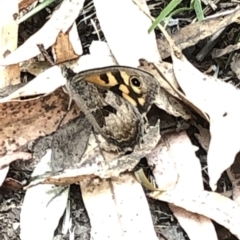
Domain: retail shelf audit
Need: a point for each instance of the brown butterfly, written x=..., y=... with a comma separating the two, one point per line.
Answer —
x=115, y=100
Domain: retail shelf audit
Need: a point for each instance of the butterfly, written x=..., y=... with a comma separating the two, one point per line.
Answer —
x=115, y=100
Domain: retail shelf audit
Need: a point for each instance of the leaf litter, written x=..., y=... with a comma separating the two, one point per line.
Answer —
x=193, y=206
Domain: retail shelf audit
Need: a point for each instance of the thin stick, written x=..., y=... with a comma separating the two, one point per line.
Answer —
x=45, y=54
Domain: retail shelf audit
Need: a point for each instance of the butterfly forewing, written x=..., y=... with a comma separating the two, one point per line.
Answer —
x=138, y=87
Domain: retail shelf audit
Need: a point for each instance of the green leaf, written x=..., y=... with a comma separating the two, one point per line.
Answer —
x=141, y=177
x=198, y=9
x=35, y=10
x=165, y=12
x=176, y=12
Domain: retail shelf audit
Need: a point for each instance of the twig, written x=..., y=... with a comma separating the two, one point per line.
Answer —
x=45, y=54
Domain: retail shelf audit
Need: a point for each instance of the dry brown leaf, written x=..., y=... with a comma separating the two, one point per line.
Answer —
x=63, y=48
x=24, y=121
x=12, y=184
x=25, y=3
